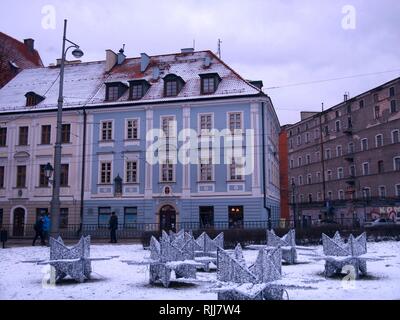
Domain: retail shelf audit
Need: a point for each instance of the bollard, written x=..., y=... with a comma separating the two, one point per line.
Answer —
x=3, y=237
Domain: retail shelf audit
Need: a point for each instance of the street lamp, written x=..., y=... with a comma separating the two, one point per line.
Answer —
x=55, y=200
x=294, y=204
x=48, y=171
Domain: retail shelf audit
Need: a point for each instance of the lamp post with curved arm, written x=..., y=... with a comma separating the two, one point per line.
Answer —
x=55, y=200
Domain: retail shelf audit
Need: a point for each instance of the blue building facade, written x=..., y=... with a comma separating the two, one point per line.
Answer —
x=191, y=90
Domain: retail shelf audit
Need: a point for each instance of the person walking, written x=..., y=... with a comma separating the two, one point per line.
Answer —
x=113, y=226
x=38, y=227
x=46, y=227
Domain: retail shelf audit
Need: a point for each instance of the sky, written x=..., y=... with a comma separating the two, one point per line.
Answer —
x=293, y=46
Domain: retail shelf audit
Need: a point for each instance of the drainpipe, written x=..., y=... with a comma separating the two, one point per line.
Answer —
x=83, y=170
x=264, y=164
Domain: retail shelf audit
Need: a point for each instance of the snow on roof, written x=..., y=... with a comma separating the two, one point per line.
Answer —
x=85, y=83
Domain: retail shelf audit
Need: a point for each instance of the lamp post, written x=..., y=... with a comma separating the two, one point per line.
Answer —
x=294, y=204
x=55, y=200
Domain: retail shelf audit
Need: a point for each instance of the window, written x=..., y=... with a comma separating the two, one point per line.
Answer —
x=337, y=126
x=299, y=161
x=377, y=112
x=171, y=88
x=307, y=137
x=3, y=137
x=21, y=177
x=395, y=136
x=205, y=122
x=132, y=129
x=301, y=198
x=291, y=143
x=308, y=159
x=137, y=91
x=206, y=173
x=352, y=170
x=351, y=148
x=168, y=126
x=318, y=196
x=32, y=99
x=382, y=191
x=318, y=175
x=365, y=167
x=235, y=171
x=1, y=177
x=317, y=156
x=366, y=193
x=112, y=93
x=393, y=106
x=391, y=92
x=235, y=217
x=349, y=123
x=364, y=144
x=106, y=130
x=131, y=172
x=316, y=133
x=396, y=164
x=376, y=97
x=46, y=134
x=208, y=85
x=381, y=168
x=310, y=198
x=43, y=180
x=206, y=217
x=328, y=154
x=329, y=175
x=298, y=140
x=397, y=189
x=66, y=133
x=235, y=121
x=309, y=179
x=105, y=172
x=291, y=163
x=330, y=195
x=340, y=173
x=349, y=108
x=341, y=195
x=337, y=113
x=23, y=136
x=63, y=218
x=64, y=175
x=361, y=104
x=326, y=129
x=379, y=140
x=339, y=152
x=104, y=216
x=130, y=216
x=1, y=218
x=300, y=180
x=167, y=172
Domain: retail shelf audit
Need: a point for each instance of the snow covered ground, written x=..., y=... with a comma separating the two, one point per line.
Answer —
x=114, y=279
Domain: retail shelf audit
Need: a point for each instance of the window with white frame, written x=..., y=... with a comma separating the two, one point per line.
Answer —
x=341, y=195
x=309, y=179
x=307, y=137
x=235, y=171
x=317, y=156
x=291, y=163
x=352, y=170
x=206, y=121
x=364, y=144
x=167, y=123
x=206, y=170
x=298, y=140
x=105, y=172
x=106, y=130
x=328, y=154
x=299, y=161
x=365, y=167
x=330, y=195
x=350, y=148
x=300, y=180
x=318, y=175
x=235, y=121
x=366, y=193
x=393, y=106
x=396, y=163
x=132, y=129
x=379, y=140
x=382, y=191
x=340, y=173
x=301, y=198
x=395, y=136
x=329, y=175
x=318, y=196
x=338, y=126
x=167, y=171
x=131, y=171
x=339, y=152
x=308, y=159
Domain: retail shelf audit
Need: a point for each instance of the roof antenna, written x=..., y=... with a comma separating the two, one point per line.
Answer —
x=219, y=48
x=122, y=50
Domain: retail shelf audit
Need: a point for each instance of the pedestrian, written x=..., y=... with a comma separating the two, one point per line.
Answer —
x=38, y=227
x=113, y=226
x=46, y=227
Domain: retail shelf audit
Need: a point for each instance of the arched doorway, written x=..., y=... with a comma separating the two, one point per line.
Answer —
x=19, y=222
x=167, y=218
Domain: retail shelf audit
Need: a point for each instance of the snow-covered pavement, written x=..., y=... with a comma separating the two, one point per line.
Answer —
x=114, y=279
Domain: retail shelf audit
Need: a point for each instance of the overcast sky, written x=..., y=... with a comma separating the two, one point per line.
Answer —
x=280, y=42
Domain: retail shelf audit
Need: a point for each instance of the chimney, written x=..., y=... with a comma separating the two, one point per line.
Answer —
x=156, y=73
x=144, y=62
x=187, y=50
x=111, y=59
x=346, y=96
x=30, y=44
x=121, y=56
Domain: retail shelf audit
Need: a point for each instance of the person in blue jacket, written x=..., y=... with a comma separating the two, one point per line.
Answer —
x=46, y=227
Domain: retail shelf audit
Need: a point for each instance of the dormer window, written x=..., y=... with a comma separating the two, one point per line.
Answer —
x=32, y=99
x=138, y=89
x=172, y=85
x=209, y=82
x=115, y=90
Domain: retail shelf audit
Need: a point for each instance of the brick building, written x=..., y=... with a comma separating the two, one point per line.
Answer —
x=344, y=162
x=16, y=56
x=283, y=177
